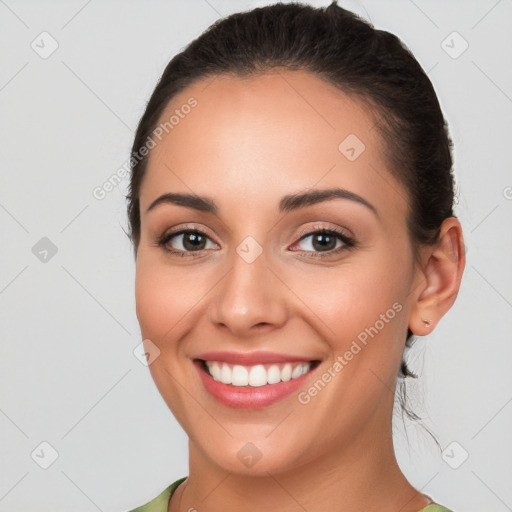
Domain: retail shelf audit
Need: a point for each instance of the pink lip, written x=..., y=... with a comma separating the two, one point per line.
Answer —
x=251, y=358
x=249, y=397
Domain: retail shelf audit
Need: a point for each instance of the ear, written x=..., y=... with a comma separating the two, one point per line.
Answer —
x=438, y=279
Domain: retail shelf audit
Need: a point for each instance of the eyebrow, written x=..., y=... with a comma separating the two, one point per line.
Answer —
x=286, y=204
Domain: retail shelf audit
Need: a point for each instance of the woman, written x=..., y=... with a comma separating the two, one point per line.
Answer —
x=290, y=209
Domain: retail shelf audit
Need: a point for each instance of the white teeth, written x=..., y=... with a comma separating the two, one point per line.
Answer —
x=273, y=374
x=225, y=375
x=259, y=375
x=240, y=376
x=297, y=372
x=286, y=372
x=215, y=371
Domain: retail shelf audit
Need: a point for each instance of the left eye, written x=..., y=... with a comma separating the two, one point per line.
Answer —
x=323, y=241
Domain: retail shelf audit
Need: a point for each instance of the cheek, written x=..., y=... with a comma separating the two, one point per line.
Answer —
x=162, y=305
x=170, y=299
x=360, y=302
x=352, y=296
x=151, y=297
x=160, y=298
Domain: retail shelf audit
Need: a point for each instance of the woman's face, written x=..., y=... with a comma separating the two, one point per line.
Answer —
x=260, y=278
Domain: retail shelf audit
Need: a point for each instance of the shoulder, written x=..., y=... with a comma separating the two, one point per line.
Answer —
x=161, y=502
x=434, y=507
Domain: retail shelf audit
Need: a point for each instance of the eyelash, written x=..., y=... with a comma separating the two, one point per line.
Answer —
x=348, y=242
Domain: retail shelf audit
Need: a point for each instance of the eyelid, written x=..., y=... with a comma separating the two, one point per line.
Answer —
x=311, y=229
x=347, y=239
x=190, y=227
x=163, y=240
x=306, y=231
x=348, y=242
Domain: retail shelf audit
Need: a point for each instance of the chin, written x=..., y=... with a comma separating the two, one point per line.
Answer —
x=247, y=459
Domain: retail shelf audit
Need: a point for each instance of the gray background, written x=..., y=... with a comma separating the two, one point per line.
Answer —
x=68, y=374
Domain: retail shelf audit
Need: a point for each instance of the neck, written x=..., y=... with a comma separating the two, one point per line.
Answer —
x=358, y=475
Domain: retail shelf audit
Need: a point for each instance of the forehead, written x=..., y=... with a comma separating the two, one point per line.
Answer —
x=268, y=135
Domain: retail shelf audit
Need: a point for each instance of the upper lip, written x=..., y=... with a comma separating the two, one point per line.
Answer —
x=252, y=358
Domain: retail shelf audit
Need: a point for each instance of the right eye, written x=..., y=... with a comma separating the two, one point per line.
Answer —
x=191, y=241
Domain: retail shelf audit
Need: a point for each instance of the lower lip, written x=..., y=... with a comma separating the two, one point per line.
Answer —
x=249, y=397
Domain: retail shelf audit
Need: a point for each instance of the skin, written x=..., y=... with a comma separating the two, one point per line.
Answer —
x=247, y=143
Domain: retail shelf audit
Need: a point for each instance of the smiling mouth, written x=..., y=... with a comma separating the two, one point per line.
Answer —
x=255, y=375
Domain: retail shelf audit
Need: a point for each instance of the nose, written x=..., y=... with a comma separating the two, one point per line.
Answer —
x=250, y=299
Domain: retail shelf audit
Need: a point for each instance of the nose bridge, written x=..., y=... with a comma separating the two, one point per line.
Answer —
x=250, y=294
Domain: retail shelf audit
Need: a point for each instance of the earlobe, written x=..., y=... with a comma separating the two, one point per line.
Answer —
x=427, y=323
x=439, y=278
